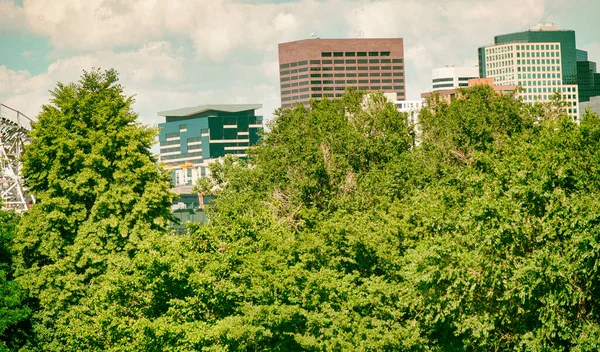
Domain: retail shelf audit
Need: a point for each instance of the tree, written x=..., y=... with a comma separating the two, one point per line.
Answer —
x=13, y=311
x=100, y=195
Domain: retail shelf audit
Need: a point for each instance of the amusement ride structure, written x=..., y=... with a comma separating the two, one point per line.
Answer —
x=14, y=126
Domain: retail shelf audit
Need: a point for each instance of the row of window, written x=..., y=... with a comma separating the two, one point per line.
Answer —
x=538, y=54
x=296, y=70
x=294, y=64
x=354, y=61
x=539, y=75
x=360, y=74
x=552, y=89
x=334, y=62
x=165, y=143
x=525, y=62
x=538, y=68
x=305, y=98
x=451, y=79
x=369, y=88
x=296, y=78
x=354, y=53
x=354, y=81
x=355, y=68
x=504, y=49
x=182, y=155
x=168, y=150
x=493, y=58
x=554, y=69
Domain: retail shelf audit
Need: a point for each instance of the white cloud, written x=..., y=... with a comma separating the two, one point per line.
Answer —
x=12, y=17
x=440, y=33
x=139, y=69
x=10, y=81
x=593, y=50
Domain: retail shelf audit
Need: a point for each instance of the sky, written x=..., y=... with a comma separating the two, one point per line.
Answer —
x=178, y=53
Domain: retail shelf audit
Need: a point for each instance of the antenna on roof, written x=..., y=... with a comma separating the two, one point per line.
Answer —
x=313, y=34
x=359, y=34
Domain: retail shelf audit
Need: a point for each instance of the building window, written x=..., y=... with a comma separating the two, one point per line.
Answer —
x=361, y=53
x=325, y=54
x=315, y=62
x=326, y=62
x=337, y=54
x=350, y=53
x=373, y=53
x=182, y=128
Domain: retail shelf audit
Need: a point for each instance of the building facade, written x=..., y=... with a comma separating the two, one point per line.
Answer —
x=191, y=138
x=314, y=68
x=544, y=61
x=447, y=95
x=452, y=77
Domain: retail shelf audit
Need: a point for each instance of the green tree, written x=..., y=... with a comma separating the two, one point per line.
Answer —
x=13, y=311
x=100, y=195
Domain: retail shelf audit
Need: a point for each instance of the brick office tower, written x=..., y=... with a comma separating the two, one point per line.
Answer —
x=312, y=68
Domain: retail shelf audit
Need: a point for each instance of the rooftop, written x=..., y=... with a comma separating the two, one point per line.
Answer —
x=215, y=107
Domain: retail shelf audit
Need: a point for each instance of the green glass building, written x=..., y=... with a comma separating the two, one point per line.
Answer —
x=191, y=138
x=544, y=61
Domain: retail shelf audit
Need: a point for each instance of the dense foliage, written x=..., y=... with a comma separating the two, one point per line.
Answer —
x=13, y=311
x=341, y=231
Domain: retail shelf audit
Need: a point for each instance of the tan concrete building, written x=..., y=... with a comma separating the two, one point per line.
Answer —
x=449, y=94
x=312, y=68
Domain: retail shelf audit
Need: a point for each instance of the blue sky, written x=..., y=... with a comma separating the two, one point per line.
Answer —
x=177, y=53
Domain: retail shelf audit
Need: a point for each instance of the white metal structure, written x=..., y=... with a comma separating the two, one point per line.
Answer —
x=14, y=126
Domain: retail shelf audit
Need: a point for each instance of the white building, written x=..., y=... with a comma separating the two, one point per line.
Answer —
x=452, y=77
x=412, y=109
x=533, y=60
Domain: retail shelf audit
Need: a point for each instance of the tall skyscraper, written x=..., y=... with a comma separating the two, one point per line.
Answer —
x=191, y=138
x=452, y=77
x=313, y=68
x=543, y=60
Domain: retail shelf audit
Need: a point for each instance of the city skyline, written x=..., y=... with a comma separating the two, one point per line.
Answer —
x=187, y=53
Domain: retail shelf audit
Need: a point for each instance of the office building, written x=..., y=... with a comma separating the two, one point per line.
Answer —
x=191, y=138
x=312, y=68
x=448, y=95
x=452, y=77
x=543, y=60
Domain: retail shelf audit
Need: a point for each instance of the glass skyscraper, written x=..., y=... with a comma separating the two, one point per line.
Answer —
x=543, y=60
